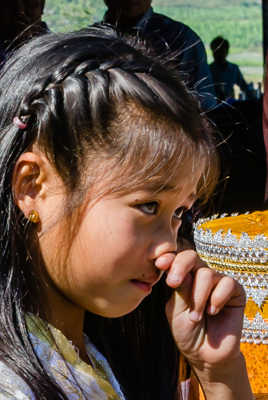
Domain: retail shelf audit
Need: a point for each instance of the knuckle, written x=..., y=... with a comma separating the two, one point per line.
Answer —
x=189, y=255
x=218, y=299
x=232, y=283
x=206, y=273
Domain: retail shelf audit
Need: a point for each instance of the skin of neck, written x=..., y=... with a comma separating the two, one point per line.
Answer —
x=67, y=317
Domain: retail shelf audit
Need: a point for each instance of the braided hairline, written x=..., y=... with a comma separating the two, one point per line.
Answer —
x=83, y=67
x=87, y=70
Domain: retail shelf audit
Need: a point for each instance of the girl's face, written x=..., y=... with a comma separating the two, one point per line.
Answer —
x=110, y=266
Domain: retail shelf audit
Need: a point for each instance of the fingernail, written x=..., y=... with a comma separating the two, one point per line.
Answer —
x=213, y=310
x=174, y=280
x=160, y=262
x=195, y=316
x=164, y=261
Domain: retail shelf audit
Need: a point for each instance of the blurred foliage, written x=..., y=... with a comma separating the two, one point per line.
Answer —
x=239, y=23
x=69, y=15
x=206, y=3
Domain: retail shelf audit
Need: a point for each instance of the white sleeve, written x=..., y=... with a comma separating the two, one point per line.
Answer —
x=12, y=387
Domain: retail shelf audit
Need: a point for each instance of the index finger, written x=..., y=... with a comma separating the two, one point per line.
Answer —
x=185, y=262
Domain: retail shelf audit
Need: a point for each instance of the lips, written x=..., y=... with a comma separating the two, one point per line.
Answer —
x=146, y=284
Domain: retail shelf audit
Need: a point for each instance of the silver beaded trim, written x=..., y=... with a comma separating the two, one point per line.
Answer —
x=256, y=286
x=228, y=246
x=255, y=331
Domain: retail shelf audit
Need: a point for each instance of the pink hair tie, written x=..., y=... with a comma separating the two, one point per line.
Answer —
x=18, y=122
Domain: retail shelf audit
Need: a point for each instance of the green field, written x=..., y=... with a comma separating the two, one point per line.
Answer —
x=239, y=21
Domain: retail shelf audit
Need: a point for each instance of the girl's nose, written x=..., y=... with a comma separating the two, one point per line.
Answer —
x=164, y=241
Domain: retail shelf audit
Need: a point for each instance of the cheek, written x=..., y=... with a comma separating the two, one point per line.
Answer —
x=107, y=240
x=54, y=248
x=106, y=234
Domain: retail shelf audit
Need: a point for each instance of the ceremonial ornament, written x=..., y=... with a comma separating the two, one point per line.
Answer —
x=237, y=245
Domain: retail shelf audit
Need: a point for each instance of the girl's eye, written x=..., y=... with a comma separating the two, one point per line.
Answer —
x=150, y=208
x=179, y=212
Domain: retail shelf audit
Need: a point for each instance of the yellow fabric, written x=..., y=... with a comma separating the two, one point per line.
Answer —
x=253, y=224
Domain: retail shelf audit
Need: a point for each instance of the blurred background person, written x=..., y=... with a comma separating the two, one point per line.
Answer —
x=224, y=73
x=20, y=20
x=34, y=11
x=173, y=38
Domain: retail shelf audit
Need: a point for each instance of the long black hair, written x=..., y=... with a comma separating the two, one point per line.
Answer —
x=76, y=91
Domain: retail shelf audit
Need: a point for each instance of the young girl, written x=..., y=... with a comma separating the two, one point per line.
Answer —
x=102, y=151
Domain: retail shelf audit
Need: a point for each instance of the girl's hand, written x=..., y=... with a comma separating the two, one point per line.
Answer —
x=205, y=316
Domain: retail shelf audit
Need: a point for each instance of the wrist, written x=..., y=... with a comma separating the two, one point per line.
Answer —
x=227, y=381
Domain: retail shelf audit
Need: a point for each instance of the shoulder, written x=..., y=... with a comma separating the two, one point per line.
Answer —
x=177, y=26
x=12, y=387
x=233, y=66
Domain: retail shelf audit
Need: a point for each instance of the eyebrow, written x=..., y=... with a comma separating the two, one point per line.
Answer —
x=172, y=188
x=192, y=196
x=168, y=188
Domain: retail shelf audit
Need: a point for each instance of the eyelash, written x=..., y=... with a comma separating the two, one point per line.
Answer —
x=180, y=211
x=151, y=203
x=177, y=214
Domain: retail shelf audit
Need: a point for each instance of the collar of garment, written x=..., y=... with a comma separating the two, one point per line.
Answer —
x=141, y=24
x=60, y=358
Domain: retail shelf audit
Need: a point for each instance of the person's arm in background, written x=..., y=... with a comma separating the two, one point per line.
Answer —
x=241, y=82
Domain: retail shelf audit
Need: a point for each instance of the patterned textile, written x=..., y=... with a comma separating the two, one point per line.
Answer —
x=78, y=380
x=61, y=360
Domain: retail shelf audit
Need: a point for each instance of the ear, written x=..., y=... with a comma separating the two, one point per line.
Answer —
x=29, y=181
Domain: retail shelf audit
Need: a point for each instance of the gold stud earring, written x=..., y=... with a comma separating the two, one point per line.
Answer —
x=34, y=217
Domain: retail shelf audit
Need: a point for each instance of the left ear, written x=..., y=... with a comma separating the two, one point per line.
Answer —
x=33, y=181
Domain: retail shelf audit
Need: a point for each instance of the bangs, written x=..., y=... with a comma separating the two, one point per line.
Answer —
x=155, y=151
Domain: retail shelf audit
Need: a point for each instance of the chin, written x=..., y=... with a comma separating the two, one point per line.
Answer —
x=116, y=312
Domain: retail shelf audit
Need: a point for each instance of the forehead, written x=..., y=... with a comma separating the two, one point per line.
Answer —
x=183, y=189
x=154, y=151
x=186, y=178
x=177, y=181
